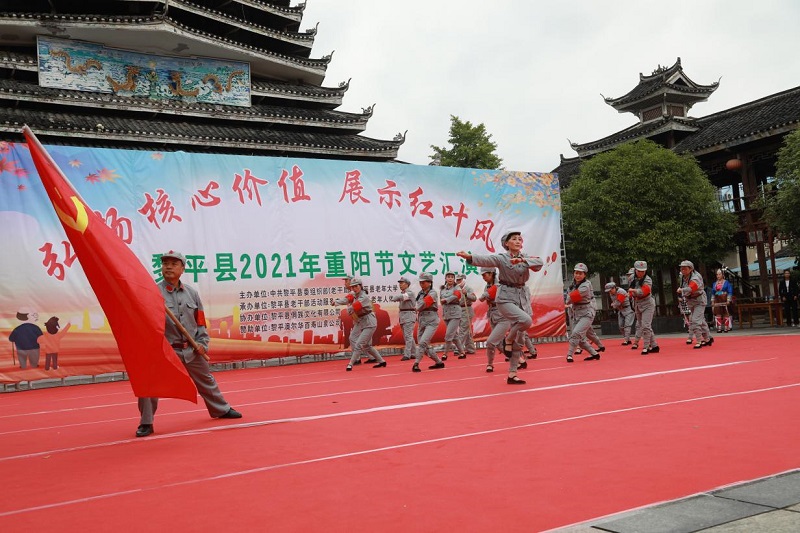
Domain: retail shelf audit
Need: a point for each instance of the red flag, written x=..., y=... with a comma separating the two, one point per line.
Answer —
x=129, y=296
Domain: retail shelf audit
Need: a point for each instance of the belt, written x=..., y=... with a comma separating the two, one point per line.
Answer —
x=514, y=285
x=180, y=345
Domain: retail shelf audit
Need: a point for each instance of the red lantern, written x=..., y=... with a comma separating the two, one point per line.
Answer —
x=733, y=164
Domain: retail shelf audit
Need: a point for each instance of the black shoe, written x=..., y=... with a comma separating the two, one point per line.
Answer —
x=569, y=359
x=523, y=365
x=625, y=343
x=635, y=346
x=444, y=357
x=489, y=368
x=688, y=341
x=462, y=356
x=350, y=367
x=645, y=351
x=595, y=357
x=415, y=368
x=144, y=430
x=533, y=355
x=515, y=381
x=710, y=341
x=379, y=365
x=698, y=345
x=405, y=358
x=579, y=351
x=601, y=349
x=358, y=362
x=655, y=349
x=232, y=413
x=437, y=365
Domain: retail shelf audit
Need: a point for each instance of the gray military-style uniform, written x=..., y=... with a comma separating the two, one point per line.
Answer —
x=468, y=298
x=644, y=306
x=364, y=326
x=407, y=317
x=513, y=299
x=581, y=298
x=621, y=302
x=451, y=313
x=184, y=302
x=427, y=306
x=693, y=289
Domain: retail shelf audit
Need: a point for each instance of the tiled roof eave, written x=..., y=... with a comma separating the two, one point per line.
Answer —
x=145, y=137
x=294, y=13
x=739, y=140
x=643, y=131
x=623, y=102
x=337, y=120
x=155, y=131
x=140, y=23
x=300, y=39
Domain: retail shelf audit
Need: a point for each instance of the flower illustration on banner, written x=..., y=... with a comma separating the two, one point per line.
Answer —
x=93, y=178
x=157, y=156
x=537, y=188
x=75, y=163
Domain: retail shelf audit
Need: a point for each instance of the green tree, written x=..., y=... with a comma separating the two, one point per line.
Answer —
x=472, y=147
x=782, y=203
x=642, y=201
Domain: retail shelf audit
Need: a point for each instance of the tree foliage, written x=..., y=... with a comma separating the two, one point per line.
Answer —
x=782, y=205
x=472, y=147
x=642, y=201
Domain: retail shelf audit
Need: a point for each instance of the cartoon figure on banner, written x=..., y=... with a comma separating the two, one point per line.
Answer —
x=25, y=338
x=51, y=341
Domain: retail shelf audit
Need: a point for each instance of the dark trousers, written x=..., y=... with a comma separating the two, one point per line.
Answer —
x=790, y=311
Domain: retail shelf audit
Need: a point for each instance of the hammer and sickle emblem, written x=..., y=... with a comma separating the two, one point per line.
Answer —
x=81, y=220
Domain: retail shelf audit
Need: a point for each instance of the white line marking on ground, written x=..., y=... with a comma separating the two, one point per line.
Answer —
x=378, y=409
x=267, y=468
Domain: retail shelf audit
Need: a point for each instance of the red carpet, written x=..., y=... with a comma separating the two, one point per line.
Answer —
x=320, y=449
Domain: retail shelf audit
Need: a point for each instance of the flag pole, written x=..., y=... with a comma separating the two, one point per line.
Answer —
x=185, y=333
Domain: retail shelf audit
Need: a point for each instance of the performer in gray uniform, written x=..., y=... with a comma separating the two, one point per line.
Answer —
x=494, y=317
x=365, y=325
x=621, y=303
x=693, y=289
x=580, y=297
x=185, y=304
x=407, y=316
x=513, y=297
x=427, y=306
x=644, y=305
x=450, y=298
x=468, y=298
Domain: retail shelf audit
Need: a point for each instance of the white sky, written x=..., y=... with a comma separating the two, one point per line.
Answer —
x=533, y=70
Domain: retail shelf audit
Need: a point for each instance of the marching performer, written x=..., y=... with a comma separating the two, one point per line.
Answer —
x=513, y=298
x=407, y=316
x=468, y=298
x=580, y=296
x=621, y=303
x=693, y=289
x=364, y=326
x=450, y=297
x=644, y=305
x=427, y=307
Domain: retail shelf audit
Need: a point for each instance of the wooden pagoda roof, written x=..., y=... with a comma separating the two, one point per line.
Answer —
x=665, y=83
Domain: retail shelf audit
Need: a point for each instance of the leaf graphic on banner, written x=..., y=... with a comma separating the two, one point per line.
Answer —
x=93, y=178
x=107, y=175
x=75, y=163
